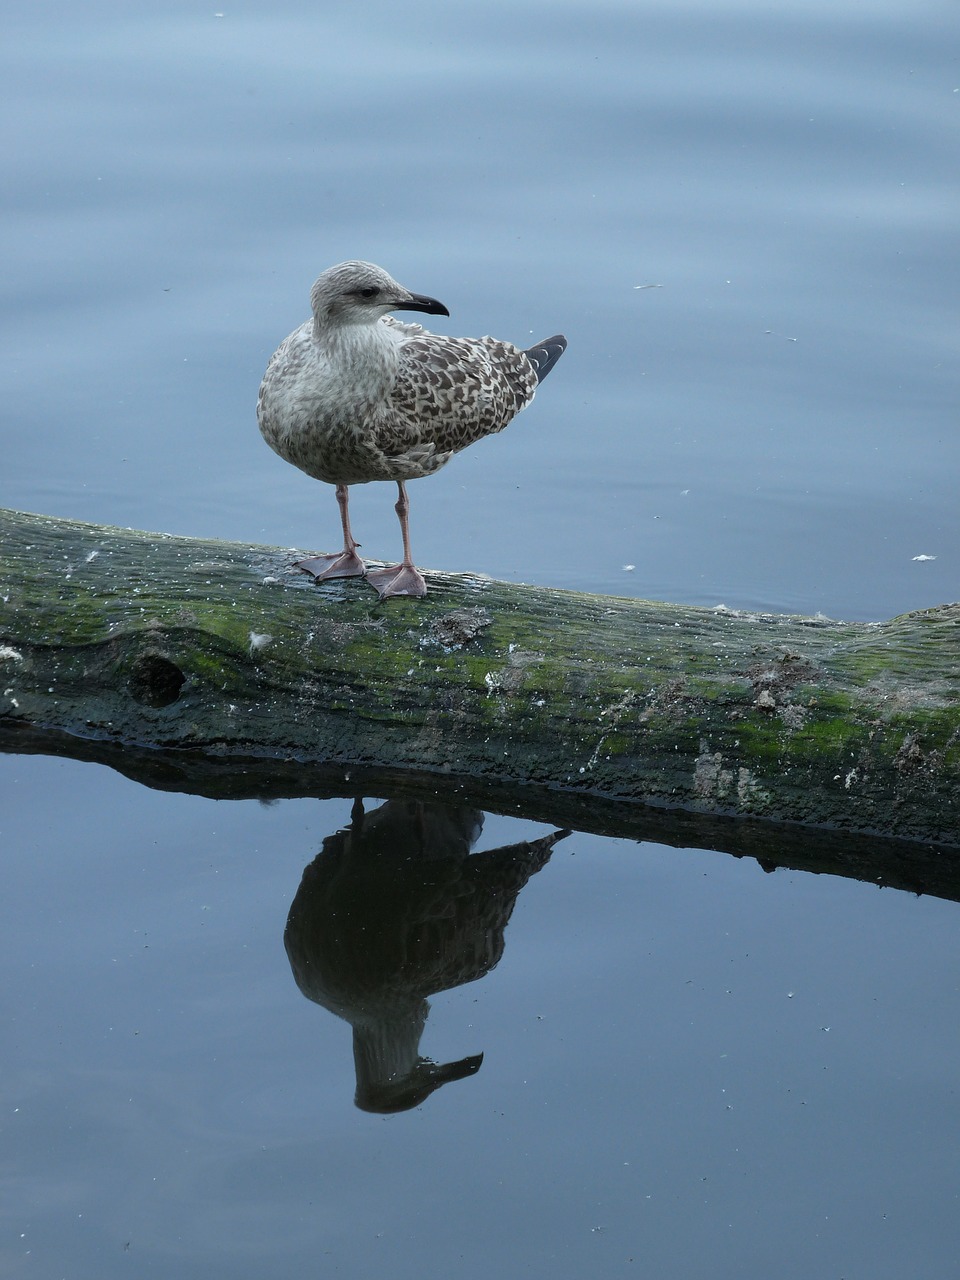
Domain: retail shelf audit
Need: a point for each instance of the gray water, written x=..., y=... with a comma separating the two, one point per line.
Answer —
x=743, y=217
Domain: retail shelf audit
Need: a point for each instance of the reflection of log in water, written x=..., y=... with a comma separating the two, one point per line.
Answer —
x=392, y=910
x=909, y=865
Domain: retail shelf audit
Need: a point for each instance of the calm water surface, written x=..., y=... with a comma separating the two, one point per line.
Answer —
x=690, y=1068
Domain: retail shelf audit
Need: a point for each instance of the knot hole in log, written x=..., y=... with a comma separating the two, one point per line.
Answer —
x=155, y=681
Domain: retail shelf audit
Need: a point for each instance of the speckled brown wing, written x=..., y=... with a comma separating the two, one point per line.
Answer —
x=451, y=392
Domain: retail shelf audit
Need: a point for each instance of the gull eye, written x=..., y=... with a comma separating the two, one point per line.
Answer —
x=368, y=291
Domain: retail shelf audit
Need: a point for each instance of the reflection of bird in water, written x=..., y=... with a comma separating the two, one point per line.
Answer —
x=393, y=909
x=354, y=395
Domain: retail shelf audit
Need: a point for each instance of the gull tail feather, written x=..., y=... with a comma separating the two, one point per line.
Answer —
x=546, y=354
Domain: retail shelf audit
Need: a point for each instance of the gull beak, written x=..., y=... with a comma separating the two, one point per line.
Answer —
x=418, y=302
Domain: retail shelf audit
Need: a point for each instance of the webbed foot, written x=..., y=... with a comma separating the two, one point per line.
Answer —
x=345, y=564
x=397, y=580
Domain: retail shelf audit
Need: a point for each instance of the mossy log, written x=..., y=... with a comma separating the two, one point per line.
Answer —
x=227, y=654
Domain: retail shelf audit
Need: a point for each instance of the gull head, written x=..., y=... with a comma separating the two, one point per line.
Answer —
x=360, y=293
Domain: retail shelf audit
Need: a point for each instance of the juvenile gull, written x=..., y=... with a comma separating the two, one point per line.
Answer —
x=354, y=395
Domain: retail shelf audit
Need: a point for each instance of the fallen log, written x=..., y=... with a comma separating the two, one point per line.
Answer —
x=225, y=652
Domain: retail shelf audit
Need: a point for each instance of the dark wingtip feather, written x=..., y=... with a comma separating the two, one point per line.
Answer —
x=546, y=354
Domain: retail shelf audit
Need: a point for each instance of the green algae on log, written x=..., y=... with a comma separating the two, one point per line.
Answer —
x=226, y=650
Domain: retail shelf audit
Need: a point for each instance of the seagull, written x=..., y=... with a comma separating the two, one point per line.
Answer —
x=355, y=395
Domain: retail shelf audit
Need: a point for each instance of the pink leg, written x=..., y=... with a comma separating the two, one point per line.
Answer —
x=400, y=579
x=346, y=563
